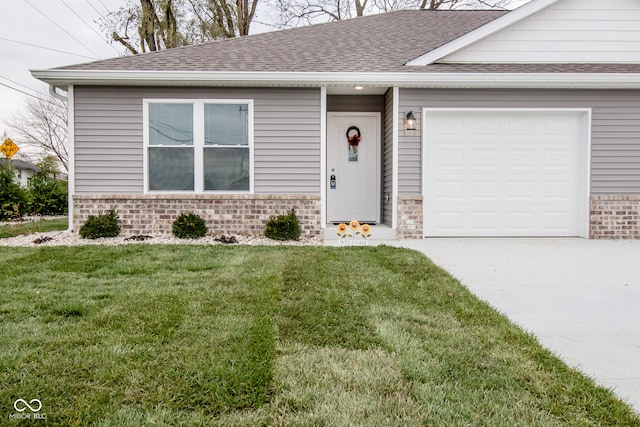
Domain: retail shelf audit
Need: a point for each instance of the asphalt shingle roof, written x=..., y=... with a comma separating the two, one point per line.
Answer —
x=376, y=43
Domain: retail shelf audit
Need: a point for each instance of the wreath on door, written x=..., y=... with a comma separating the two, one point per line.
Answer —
x=353, y=137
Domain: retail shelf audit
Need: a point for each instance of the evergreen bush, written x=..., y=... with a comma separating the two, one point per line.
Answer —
x=103, y=225
x=49, y=196
x=189, y=226
x=283, y=227
x=14, y=200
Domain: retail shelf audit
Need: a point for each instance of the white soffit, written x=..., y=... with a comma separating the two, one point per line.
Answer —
x=63, y=78
x=483, y=32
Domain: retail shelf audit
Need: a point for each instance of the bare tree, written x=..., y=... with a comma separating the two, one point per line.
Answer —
x=162, y=24
x=148, y=26
x=43, y=124
x=296, y=12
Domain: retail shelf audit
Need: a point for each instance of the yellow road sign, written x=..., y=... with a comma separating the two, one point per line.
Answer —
x=9, y=148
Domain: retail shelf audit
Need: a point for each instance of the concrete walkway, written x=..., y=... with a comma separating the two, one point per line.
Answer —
x=580, y=298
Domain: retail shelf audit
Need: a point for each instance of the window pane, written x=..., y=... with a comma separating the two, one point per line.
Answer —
x=170, y=124
x=226, y=124
x=170, y=168
x=226, y=169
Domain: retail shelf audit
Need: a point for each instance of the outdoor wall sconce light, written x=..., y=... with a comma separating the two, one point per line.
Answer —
x=410, y=121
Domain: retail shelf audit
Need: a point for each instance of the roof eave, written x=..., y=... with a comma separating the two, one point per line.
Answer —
x=65, y=78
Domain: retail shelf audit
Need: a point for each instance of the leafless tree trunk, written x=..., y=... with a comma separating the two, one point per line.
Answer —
x=163, y=24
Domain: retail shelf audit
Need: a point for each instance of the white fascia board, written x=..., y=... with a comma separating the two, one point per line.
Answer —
x=63, y=78
x=482, y=32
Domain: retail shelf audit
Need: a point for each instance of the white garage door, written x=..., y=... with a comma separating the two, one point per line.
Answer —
x=505, y=173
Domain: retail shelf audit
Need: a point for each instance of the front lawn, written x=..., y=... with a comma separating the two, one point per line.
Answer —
x=30, y=227
x=140, y=335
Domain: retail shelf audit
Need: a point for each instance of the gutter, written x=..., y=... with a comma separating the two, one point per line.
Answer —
x=55, y=94
x=63, y=78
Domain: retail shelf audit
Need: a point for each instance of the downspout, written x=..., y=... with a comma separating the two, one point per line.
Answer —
x=70, y=174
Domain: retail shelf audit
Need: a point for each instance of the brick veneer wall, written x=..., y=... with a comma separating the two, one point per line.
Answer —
x=410, y=217
x=237, y=214
x=615, y=217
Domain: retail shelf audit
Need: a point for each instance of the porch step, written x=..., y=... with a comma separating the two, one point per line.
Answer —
x=379, y=232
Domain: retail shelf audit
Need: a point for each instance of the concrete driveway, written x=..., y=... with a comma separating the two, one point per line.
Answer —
x=580, y=298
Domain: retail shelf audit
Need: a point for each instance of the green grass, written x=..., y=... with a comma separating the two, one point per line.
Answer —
x=12, y=230
x=142, y=335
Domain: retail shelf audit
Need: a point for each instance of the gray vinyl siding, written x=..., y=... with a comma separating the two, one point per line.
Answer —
x=109, y=137
x=387, y=159
x=615, y=131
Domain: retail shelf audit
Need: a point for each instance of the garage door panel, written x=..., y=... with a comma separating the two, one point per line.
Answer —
x=564, y=159
x=520, y=191
x=450, y=190
x=450, y=159
x=450, y=221
x=487, y=158
x=485, y=222
x=557, y=220
x=484, y=190
x=503, y=173
x=520, y=222
x=559, y=126
x=448, y=126
x=557, y=191
x=490, y=126
x=520, y=126
x=519, y=159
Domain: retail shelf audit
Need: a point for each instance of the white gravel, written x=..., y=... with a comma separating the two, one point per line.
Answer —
x=66, y=238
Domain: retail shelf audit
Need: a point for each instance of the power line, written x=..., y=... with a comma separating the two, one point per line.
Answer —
x=94, y=8
x=87, y=24
x=105, y=7
x=47, y=48
x=26, y=93
x=19, y=84
x=57, y=25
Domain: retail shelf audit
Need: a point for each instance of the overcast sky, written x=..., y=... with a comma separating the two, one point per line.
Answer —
x=46, y=23
x=71, y=34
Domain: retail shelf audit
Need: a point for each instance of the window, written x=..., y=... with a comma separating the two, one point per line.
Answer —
x=196, y=146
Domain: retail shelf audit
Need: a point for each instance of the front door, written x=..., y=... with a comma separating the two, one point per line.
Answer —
x=353, y=167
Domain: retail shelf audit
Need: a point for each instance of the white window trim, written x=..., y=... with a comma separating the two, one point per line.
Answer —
x=198, y=142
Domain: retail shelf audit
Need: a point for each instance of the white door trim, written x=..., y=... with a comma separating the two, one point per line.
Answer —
x=323, y=156
x=395, y=150
x=378, y=161
x=585, y=171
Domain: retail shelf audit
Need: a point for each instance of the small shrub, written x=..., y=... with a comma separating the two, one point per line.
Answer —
x=103, y=225
x=283, y=227
x=189, y=226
